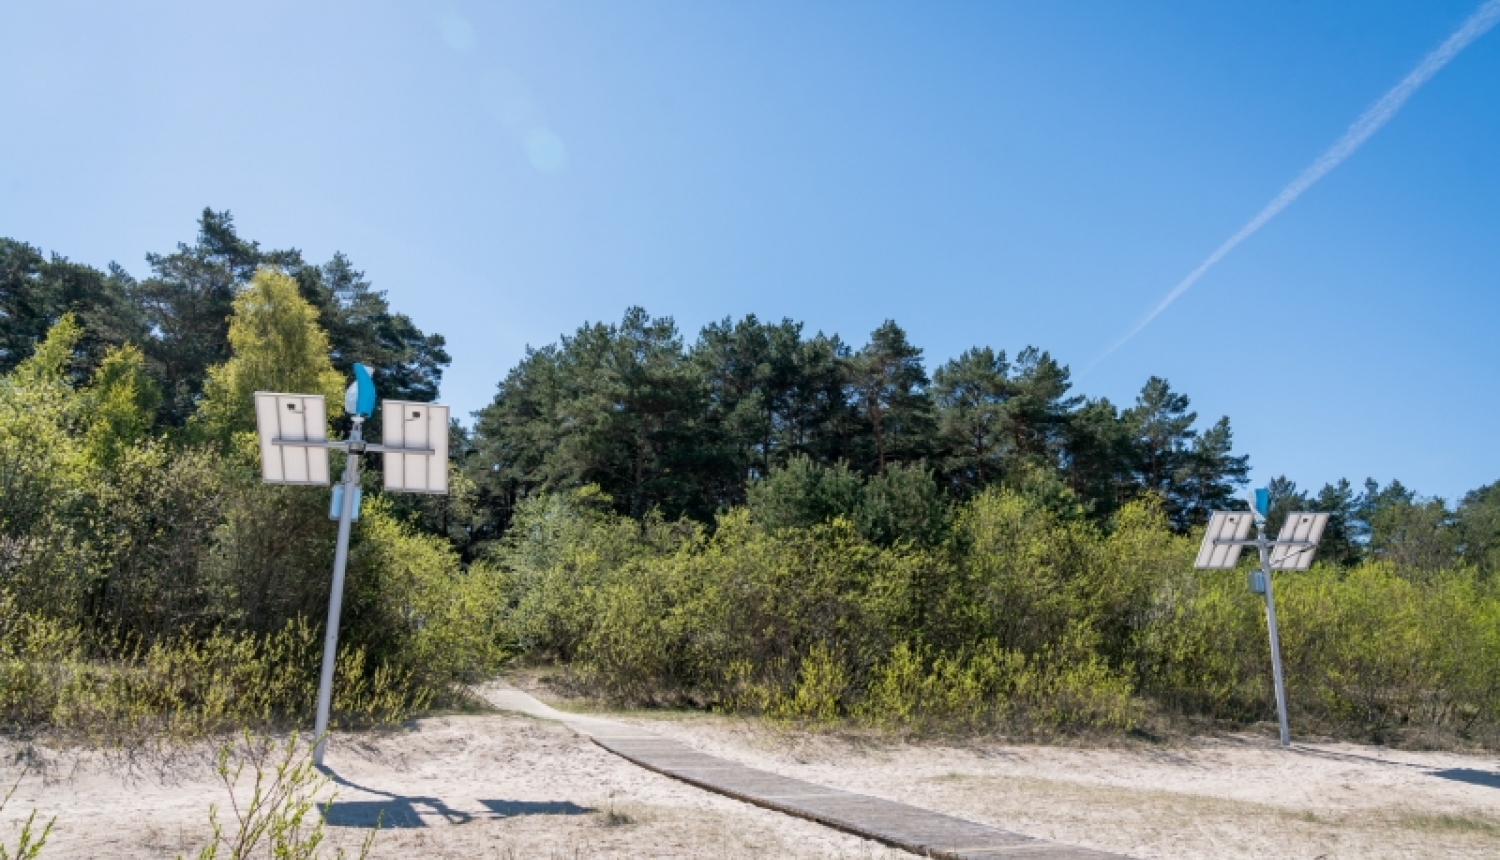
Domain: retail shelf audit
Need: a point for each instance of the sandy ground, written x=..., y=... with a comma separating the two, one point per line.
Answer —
x=506, y=785
x=1234, y=797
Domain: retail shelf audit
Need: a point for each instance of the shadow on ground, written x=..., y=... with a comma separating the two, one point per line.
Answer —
x=402, y=811
x=1473, y=776
x=1470, y=775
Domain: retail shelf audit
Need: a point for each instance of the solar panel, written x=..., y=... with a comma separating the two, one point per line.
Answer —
x=1223, y=526
x=1305, y=528
x=423, y=426
x=292, y=418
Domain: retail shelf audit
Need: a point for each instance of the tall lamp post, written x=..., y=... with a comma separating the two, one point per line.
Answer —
x=1228, y=534
x=294, y=446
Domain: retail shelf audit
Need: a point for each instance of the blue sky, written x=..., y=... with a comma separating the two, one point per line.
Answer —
x=984, y=173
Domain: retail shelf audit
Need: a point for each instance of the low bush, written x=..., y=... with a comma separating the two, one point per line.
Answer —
x=184, y=687
x=277, y=813
x=151, y=588
x=1021, y=618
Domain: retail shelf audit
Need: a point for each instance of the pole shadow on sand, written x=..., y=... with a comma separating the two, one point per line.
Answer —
x=402, y=811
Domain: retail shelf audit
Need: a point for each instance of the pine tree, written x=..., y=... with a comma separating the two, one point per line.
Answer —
x=1191, y=473
x=1037, y=412
x=971, y=393
x=770, y=395
x=887, y=384
x=1099, y=459
x=35, y=293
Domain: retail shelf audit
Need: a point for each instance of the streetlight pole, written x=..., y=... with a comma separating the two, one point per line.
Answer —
x=1264, y=546
x=356, y=446
x=294, y=449
x=1228, y=533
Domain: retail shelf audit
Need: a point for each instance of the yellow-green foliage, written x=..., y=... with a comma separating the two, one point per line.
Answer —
x=152, y=588
x=120, y=403
x=29, y=843
x=818, y=623
x=274, y=809
x=1025, y=618
x=182, y=687
x=1367, y=651
x=58, y=447
x=278, y=346
x=434, y=617
x=1380, y=653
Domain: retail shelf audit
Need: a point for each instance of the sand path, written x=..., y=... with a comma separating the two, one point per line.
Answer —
x=517, y=785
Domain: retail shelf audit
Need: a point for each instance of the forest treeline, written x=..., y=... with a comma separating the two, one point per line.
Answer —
x=692, y=430
x=689, y=429
x=762, y=520
x=178, y=317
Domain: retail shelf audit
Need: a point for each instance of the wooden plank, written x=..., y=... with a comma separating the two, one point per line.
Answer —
x=899, y=825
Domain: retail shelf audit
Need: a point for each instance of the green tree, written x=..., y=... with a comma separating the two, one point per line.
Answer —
x=888, y=385
x=1211, y=474
x=1340, y=544
x=35, y=293
x=1192, y=473
x=1478, y=525
x=277, y=346
x=1416, y=534
x=638, y=411
x=121, y=404
x=187, y=303
x=902, y=505
x=1099, y=459
x=803, y=494
x=43, y=466
x=613, y=405
x=1037, y=413
x=971, y=393
x=362, y=327
x=770, y=395
x=190, y=295
x=512, y=451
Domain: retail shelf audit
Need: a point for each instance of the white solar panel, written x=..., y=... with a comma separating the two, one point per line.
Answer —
x=1223, y=525
x=292, y=418
x=1299, y=526
x=421, y=426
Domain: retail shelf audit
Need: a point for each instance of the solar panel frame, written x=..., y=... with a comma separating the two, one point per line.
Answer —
x=292, y=418
x=1301, y=526
x=422, y=426
x=1223, y=526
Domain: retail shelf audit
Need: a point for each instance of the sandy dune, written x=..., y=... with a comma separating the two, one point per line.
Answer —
x=510, y=785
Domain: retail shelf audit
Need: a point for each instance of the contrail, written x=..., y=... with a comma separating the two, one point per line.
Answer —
x=1368, y=123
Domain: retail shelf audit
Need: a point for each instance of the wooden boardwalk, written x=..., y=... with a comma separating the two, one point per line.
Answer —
x=920, y=831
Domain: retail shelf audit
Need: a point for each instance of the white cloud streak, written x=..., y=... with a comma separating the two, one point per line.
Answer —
x=1368, y=123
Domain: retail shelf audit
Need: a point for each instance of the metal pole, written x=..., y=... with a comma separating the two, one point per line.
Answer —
x=336, y=594
x=1265, y=568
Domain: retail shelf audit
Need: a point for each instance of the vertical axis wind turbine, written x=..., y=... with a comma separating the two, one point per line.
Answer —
x=1228, y=534
x=294, y=446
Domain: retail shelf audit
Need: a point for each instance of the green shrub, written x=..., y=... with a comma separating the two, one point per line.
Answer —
x=185, y=687
x=903, y=504
x=280, y=816
x=153, y=587
x=29, y=843
x=816, y=623
x=1024, y=618
x=1378, y=654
